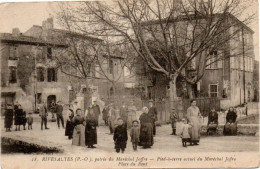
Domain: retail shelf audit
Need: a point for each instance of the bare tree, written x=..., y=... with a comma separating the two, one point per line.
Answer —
x=87, y=57
x=168, y=35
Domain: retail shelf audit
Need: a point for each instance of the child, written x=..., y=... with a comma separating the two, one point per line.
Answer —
x=185, y=132
x=30, y=121
x=135, y=134
x=174, y=119
x=120, y=136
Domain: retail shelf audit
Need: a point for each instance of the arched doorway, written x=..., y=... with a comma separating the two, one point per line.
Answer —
x=50, y=98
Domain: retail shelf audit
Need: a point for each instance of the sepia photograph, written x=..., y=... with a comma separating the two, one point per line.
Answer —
x=129, y=84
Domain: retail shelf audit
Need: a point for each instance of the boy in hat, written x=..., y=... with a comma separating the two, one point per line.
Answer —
x=30, y=121
x=174, y=119
x=135, y=134
x=120, y=136
x=153, y=114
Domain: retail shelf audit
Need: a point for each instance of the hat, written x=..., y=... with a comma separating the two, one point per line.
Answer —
x=135, y=121
x=151, y=100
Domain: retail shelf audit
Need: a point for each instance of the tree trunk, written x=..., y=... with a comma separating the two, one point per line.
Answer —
x=173, y=90
x=190, y=91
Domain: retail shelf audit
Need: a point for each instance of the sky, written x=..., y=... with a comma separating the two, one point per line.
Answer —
x=23, y=15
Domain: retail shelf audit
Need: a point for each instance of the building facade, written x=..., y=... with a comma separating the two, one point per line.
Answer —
x=229, y=79
x=31, y=74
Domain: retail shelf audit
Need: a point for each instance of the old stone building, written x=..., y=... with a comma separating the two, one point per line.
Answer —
x=31, y=74
x=229, y=80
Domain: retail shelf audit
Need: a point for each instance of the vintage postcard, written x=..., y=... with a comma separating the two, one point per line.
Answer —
x=129, y=84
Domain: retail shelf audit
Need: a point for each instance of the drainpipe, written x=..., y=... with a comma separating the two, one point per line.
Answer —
x=244, y=71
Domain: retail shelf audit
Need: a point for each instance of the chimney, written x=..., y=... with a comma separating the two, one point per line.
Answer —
x=47, y=27
x=47, y=24
x=16, y=32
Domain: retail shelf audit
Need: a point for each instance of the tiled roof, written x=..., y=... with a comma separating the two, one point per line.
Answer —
x=27, y=40
x=193, y=17
x=72, y=33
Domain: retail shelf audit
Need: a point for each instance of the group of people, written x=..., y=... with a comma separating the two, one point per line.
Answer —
x=55, y=109
x=15, y=114
x=191, y=126
x=82, y=127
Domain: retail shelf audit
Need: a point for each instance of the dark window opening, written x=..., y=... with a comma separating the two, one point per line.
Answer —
x=39, y=98
x=49, y=53
x=111, y=66
x=12, y=77
x=52, y=75
x=213, y=90
x=89, y=69
x=13, y=55
x=40, y=74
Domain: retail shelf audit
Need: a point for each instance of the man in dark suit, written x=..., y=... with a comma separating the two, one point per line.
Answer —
x=153, y=113
x=59, y=110
x=43, y=113
x=96, y=111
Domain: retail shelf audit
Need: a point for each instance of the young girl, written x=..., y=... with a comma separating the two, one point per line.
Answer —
x=120, y=136
x=30, y=121
x=135, y=134
x=185, y=132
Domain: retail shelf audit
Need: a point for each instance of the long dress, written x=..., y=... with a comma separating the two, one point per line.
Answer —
x=146, y=130
x=131, y=115
x=9, y=113
x=193, y=113
x=79, y=131
x=90, y=130
x=212, y=122
x=18, y=117
x=69, y=125
x=230, y=127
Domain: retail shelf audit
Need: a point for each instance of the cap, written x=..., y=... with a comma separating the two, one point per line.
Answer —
x=151, y=100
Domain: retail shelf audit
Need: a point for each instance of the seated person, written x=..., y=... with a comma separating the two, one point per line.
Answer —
x=230, y=127
x=212, y=121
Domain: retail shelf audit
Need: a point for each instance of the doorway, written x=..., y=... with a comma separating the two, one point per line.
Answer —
x=50, y=98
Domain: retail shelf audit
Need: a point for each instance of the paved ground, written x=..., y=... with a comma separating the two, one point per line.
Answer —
x=163, y=141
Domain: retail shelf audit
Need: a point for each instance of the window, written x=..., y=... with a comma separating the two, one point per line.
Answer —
x=49, y=53
x=12, y=76
x=51, y=75
x=213, y=90
x=212, y=61
x=40, y=74
x=13, y=53
x=88, y=69
x=39, y=98
x=111, y=66
x=241, y=62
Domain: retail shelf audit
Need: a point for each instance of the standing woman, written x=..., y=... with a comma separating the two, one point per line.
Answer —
x=69, y=124
x=193, y=115
x=131, y=114
x=79, y=129
x=9, y=113
x=90, y=130
x=146, y=130
x=18, y=117
x=105, y=114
